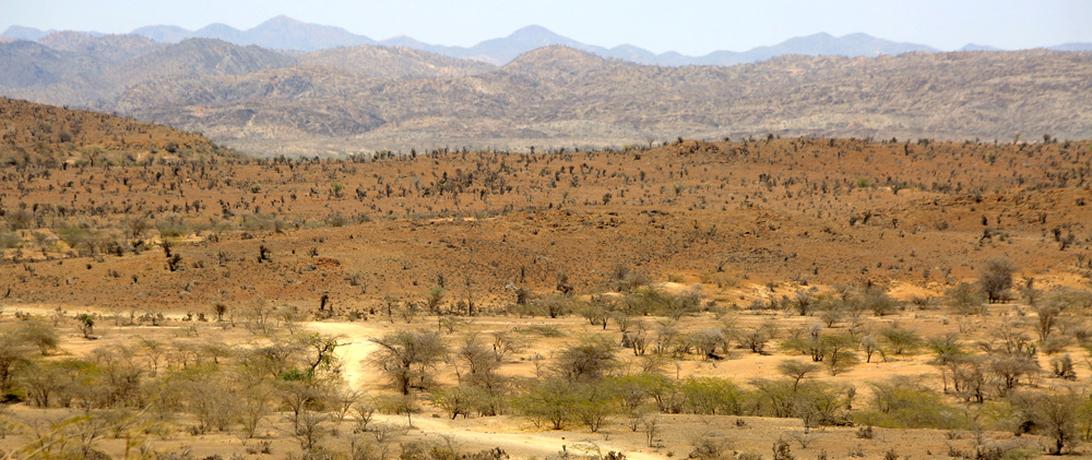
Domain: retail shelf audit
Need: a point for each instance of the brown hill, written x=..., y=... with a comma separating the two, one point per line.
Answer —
x=392, y=62
x=560, y=97
x=746, y=212
x=34, y=133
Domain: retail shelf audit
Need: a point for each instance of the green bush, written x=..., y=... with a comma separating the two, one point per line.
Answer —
x=649, y=301
x=902, y=404
x=172, y=228
x=550, y=402
x=260, y=222
x=9, y=240
x=710, y=395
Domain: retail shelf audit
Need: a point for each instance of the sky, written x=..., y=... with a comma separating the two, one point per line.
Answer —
x=687, y=26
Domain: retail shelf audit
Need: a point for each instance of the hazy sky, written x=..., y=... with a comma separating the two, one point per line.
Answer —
x=689, y=26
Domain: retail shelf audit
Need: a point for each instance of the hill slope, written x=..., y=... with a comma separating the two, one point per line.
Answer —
x=392, y=62
x=36, y=133
x=559, y=96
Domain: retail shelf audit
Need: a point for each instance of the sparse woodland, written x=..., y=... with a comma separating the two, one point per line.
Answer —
x=747, y=298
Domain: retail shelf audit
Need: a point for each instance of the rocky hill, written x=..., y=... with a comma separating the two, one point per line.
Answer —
x=35, y=133
x=393, y=62
x=559, y=96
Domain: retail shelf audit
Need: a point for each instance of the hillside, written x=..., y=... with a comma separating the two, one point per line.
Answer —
x=559, y=96
x=388, y=62
x=108, y=48
x=90, y=71
x=827, y=211
x=34, y=133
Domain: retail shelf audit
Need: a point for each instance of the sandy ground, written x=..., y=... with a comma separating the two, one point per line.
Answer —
x=354, y=354
x=354, y=349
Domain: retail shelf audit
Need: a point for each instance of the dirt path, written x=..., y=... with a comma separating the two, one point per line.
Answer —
x=519, y=445
x=354, y=349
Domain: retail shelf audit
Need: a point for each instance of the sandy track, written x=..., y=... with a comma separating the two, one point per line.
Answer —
x=354, y=349
x=519, y=445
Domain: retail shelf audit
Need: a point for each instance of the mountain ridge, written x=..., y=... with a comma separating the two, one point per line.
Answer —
x=285, y=33
x=558, y=96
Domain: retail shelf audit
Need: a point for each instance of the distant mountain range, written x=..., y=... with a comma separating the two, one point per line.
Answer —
x=372, y=97
x=284, y=33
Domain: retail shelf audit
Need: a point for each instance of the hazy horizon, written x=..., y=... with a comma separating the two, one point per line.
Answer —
x=689, y=27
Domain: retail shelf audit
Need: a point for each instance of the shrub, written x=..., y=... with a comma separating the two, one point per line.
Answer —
x=649, y=301
x=902, y=404
x=590, y=359
x=259, y=222
x=901, y=341
x=172, y=228
x=966, y=299
x=549, y=402
x=77, y=237
x=544, y=330
x=876, y=299
x=1052, y=415
x=816, y=403
x=9, y=240
x=710, y=395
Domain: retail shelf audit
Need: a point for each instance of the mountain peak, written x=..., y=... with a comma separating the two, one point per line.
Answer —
x=978, y=47
x=25, y=33
x=281, y=19
x=538, y=34
x=531, y=30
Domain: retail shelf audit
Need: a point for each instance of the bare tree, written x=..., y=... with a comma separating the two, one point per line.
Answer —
x=407, y=356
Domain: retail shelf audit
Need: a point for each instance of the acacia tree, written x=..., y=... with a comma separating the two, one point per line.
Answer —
x=406, y=357
x=996, y=279
x=255, y=403
x=590, y=359
x=797, y=371
x=1053, y=415
x=965, y=298
x=87, y=324
x=41, y=335
x=13, y=352
x=838, y=353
